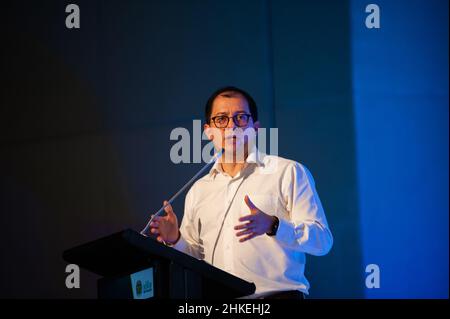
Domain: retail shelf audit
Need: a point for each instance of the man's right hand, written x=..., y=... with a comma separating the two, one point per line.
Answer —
x=166, y=227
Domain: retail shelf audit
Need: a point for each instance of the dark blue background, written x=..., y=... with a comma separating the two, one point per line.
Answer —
x=86, y=116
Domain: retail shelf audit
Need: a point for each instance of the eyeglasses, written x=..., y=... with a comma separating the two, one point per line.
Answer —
x=241, y=120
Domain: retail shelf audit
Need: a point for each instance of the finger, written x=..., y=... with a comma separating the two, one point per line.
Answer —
x=250, y=218
x=154, y=231
x=244, y=232
x=247, y=238
x=154, y=224
x=250, y=204
x=157, y=219
x=242, y=226
x=168, y=209
x=159, y=238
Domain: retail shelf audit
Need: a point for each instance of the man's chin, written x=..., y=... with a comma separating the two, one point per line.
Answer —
x=234, y=152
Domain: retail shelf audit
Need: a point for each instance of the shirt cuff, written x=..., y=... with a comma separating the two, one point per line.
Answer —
x=181, y=244
x=287, y=232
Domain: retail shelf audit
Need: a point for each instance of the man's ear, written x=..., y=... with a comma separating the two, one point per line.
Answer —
x=256, y=126
x=208, y=132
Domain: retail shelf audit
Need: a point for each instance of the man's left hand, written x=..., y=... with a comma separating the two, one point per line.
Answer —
x=257, y=223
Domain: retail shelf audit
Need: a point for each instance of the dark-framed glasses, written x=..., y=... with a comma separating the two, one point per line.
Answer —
x=241, y=120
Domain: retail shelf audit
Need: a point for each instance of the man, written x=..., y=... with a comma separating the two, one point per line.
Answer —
x=255, y=218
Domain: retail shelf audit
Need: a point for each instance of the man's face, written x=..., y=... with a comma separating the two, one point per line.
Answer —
x=225, y=136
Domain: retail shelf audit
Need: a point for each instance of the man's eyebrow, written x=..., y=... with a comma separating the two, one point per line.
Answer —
x=221, y=113
x=235, y=113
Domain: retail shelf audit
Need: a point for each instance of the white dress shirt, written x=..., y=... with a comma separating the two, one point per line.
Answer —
x=276, y=186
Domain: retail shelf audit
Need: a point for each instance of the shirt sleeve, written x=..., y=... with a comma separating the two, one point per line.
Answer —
x=307, y=229
x=189, y=242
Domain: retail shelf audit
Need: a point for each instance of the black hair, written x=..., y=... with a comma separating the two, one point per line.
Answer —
x=232, y=89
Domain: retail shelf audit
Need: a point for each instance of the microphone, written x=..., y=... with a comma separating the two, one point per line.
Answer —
x=213, y=159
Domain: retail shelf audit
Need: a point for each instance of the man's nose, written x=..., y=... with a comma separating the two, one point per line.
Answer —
x=231, y=124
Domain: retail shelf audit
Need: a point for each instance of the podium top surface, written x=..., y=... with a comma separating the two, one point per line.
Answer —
x=127, y=250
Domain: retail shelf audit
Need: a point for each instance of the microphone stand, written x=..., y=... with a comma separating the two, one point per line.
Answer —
x=213, y=159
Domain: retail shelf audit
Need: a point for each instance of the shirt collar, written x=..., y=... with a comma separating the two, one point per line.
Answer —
x=254, y=158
